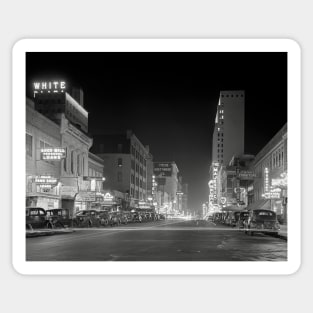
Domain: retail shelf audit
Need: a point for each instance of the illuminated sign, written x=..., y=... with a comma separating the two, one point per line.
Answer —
x=46, y=181
x=266, y=180
x=272, y=195
x=162, y=169
x=279, y=182
x=108, y=196
x=86, y=196
x=246, y=175
x=49, y=87
x=223, y=200
x=179, y=193
x=52, y=154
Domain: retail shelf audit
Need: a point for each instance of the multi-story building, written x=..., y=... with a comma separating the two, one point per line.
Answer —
x=41, y=133
x=269, y=188
x=227, y=141
x=70, y=120
x=125, y=164
x=228, y=135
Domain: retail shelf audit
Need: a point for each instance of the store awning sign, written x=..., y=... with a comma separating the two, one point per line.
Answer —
x=46, y=181
x=52, y=154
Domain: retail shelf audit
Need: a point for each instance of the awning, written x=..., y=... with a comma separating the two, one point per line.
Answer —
x=260, y=204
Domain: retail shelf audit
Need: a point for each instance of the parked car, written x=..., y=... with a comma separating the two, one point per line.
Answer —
x=87, y=218
x=124, y=218
x=37, y=218
x=243, y=216
x=104, y=217
x=60, y=217
x=262, y=220
x=114, y=219
x=136, y=217
x=161, y=217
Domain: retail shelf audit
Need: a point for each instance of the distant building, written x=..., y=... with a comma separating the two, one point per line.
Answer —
x=166, y=176
x=125, y=164
x=228, y=135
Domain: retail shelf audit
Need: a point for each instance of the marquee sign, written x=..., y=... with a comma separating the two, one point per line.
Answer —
x=52, y=154
x=46, y=181
x=49, y=87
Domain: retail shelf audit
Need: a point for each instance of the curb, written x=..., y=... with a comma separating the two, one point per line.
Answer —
x=38, y=233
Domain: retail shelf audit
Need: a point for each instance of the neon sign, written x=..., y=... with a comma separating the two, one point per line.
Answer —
x=45, y=181
x=266, y=180
x=49, y=87
x=52, y=154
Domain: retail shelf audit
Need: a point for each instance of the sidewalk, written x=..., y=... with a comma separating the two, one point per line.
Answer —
x=47, y=232
x=283, y=233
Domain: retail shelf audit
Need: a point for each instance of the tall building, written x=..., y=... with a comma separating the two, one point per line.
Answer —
x=228, y=135
x=227, y=141
x=125, y=164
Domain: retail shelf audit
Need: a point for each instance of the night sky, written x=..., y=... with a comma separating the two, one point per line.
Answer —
x=169, y=99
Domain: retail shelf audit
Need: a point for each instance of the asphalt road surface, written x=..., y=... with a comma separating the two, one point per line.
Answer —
x=171, y=240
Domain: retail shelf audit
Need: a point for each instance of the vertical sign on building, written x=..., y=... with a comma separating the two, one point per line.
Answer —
x=266, y=181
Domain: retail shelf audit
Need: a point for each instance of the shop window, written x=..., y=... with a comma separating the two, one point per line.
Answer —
x=29, y=145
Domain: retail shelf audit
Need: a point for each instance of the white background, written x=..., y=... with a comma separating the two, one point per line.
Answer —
x=159, y=19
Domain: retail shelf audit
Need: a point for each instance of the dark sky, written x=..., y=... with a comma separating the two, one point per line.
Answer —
x=169, y=99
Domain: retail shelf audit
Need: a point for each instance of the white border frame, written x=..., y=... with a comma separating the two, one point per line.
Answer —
x=158, y=45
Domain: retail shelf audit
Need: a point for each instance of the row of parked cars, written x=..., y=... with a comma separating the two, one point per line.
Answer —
x=54, y=218
x=252, y=221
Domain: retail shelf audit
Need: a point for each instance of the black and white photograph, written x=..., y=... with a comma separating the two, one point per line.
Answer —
x=156, y=156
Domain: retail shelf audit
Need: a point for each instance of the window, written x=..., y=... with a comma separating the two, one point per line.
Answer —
x=133, y=164
x=119, y=177
x=29, y=145
x=119, y=162
x=72, y=162
x=78, y=164
x=65, y=164
x=119, y=147
x=83, y=165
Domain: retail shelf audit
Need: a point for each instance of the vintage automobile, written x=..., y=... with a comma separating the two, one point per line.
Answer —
x=104, y=217
x=261, y=220
x=114, y=219
x=243, y=216
x=87, y=218
x=136, y=217
x=37, y=218
x=60, y=217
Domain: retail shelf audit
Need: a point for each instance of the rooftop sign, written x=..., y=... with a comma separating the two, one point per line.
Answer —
x=49, y=87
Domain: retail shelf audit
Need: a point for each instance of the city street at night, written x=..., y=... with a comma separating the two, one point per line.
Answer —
x=171, y=240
